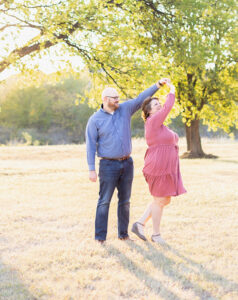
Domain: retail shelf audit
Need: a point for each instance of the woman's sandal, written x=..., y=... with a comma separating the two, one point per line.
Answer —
x=138, y=230
x=156, y=238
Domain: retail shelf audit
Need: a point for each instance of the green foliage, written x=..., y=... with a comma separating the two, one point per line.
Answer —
x=192, y=42
x=48, y=107
x=30, y=107
x=131, y=44
x=27, y=137
x=137, y=125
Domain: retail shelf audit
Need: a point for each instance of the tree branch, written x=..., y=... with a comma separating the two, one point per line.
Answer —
x=21, y=52
x=157, y=12
x=14, y=25
x=38, y=6
x=25, y=6
x=23, y=21
x=83, y=51
x=88, y=58
x=110, y=76
x=203, y=98
x=36, y=46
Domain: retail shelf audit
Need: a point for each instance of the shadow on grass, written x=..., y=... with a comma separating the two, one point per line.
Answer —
x=227, y=285
x=170, y=269
x=11, y=287
x=228, y=161
x=147, y=279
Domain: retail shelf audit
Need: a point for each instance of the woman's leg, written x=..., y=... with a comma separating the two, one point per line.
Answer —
x=138, y=227
x=161, y=201
x=146, y=215
x=154, y=210
x=157, y=211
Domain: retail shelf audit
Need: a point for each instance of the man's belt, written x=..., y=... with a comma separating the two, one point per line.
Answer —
x=120, y=159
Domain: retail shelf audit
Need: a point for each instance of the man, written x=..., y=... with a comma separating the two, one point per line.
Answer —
x=108, y=133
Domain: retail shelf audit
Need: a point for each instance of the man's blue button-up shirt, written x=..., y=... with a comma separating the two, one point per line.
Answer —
x=109, y=135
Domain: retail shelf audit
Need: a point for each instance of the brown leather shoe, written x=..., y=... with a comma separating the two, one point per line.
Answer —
x=100, y=241
x=126, y=238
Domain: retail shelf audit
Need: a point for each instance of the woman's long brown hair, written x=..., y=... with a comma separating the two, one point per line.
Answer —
x=146, y=107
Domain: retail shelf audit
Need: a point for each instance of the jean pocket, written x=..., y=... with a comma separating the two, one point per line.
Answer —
x=130, y=160
x=106, y=164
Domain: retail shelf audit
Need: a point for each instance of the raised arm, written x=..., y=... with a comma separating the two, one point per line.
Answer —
x=159, y=117
x=135, y=104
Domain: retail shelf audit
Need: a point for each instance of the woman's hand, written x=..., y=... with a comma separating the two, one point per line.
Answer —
x=171, y=86
x=166, y=81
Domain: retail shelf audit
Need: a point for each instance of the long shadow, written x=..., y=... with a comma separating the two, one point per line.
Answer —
x=11, y=287
x=169, y=268
x=153, y=284
x=227, y=285
x=228, y=161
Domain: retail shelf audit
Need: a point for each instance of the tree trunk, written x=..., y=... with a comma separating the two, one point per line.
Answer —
x=188, y=137
x=194, y=145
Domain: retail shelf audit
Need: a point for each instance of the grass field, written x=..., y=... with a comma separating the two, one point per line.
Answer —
x=47, y=242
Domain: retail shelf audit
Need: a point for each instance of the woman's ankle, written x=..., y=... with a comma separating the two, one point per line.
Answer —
x=156, y=234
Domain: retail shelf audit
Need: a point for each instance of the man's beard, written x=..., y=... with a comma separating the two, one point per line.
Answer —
x=113, y=106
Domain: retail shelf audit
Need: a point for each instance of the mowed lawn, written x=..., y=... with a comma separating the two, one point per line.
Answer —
x=47, y=247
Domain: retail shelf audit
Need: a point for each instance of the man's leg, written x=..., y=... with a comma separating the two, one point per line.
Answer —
x=108, y=176
x=124, y=193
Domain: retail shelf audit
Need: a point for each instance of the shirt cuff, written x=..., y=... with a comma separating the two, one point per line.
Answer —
x=91, y=167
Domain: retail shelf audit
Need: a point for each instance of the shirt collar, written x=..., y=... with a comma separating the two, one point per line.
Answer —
x=103, y=110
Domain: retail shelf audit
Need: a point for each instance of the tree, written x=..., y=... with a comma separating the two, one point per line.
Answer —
x=130, y=43
x=50, y=23
x=25, y=108
x=195, y=40
x=47, y=111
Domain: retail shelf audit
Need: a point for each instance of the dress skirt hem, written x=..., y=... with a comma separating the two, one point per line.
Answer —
x=165, y=185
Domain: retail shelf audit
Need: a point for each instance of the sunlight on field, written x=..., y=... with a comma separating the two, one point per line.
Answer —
x=47, y=230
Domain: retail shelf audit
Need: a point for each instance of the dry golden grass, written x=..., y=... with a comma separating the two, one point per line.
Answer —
x=47, y=230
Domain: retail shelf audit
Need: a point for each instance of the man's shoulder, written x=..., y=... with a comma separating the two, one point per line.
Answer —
x=123, y=106
x=97, y=114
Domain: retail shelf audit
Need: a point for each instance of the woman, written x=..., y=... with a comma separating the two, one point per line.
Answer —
x=161, y=169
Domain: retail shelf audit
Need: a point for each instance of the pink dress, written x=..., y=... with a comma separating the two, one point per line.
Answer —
x=161, y=169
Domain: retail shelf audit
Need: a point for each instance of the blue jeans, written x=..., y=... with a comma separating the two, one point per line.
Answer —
x=114, y=174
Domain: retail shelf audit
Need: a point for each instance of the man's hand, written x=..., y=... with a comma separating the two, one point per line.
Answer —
x=93, y=176
x=162, y=81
